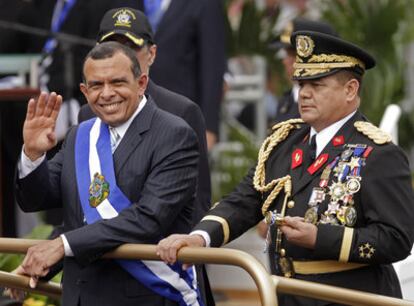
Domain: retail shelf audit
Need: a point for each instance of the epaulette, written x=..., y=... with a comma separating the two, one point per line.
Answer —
x=295, y=121
x=372, y=132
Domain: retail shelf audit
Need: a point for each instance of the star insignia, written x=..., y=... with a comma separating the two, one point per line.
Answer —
x=366, y=251
x=354, y=163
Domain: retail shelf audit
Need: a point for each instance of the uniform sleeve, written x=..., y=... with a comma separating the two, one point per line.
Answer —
x=233, y=215
x=385, y=233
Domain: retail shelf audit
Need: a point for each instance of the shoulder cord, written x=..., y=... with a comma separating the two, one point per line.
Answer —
x=281, y=131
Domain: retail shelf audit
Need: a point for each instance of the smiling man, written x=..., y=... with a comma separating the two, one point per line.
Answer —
x=128, y=176
x=334, y=188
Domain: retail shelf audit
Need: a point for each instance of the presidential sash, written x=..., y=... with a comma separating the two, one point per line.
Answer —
x=101, y=198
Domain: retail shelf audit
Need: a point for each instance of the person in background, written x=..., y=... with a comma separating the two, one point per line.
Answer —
x=334, y=188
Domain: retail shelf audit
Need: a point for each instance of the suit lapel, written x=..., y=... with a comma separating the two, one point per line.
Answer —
x=331, y=150
x=133, y=136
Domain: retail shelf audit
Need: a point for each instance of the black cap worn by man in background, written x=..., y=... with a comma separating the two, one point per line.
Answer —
x=130, y=23
x=132, y=28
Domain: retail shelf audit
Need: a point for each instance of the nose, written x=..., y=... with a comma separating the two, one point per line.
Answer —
x=304, y=91
x=107, y=92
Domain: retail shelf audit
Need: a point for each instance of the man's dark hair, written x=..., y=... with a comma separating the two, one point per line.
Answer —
x=344, y=75
x=109, y=49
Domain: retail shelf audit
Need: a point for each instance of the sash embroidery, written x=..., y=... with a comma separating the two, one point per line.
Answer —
x=93, y=155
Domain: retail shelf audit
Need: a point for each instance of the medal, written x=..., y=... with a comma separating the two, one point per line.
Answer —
x=311, y=215
x=345, y=155
x=337, y=191
x=350, y=216
x=340, y=215
x=317, y=196
x=353, y=185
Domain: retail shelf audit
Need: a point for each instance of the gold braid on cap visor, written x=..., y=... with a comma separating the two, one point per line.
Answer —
x=322, y=63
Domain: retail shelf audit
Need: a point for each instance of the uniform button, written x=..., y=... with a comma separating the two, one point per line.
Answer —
x=291, y=204
x=283, y=252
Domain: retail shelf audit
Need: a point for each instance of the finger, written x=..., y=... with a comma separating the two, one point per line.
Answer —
x=41, y=104
x=173, y=251
x=56, y=108
x=33, y=281
x=50, y=104
x=30, y=109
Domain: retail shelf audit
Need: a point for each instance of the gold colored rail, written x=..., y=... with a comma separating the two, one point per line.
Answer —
x=193, y=255
x=266, y=284
x=334, y=294
x=22, y=282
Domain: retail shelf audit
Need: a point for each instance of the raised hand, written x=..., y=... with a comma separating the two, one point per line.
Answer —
x=39, y=126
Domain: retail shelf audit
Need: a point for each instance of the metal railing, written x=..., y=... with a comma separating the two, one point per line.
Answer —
x=266, y=284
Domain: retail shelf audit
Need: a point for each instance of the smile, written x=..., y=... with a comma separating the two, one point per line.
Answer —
x=111, y=107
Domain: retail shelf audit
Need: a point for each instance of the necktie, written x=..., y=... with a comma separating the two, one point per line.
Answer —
x=154, y=12
x=312, y=148
x=114, y=138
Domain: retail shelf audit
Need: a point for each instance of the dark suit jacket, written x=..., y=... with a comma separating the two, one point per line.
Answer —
x=156, y=168
x=384, y=209
x=190, y=112
x=191, y=53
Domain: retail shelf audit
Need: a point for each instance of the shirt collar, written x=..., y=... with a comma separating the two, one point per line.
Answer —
x=324, y=136
x=121, y=129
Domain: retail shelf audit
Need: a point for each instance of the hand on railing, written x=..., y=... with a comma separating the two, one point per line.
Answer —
x=168, y=248
x=14, y=293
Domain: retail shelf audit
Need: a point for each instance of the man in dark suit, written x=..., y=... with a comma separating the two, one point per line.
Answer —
x=334, y=188
x=191, y=58
x=136, y=33
x=142, y=192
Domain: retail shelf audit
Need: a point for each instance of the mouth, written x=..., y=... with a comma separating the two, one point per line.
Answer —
x=110, y=107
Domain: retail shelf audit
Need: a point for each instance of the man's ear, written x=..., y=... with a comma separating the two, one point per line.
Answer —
x=142, y=83
x=84, y=90
x=153, y=54
x=351, y=89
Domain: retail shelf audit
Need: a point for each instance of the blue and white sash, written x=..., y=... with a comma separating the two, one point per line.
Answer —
x=94, y=163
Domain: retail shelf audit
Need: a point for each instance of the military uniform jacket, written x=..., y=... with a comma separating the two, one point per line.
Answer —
x=382, y=232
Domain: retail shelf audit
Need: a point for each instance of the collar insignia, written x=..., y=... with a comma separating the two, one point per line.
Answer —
x=338, y=141
x=297, y=158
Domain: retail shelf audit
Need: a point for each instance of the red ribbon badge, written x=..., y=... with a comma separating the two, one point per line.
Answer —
x=338, y=141
x=318, y=163
x=297, y=158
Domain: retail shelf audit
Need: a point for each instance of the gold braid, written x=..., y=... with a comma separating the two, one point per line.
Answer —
x=281, y=131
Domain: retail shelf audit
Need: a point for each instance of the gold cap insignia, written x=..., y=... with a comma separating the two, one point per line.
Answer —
x=123, y=18
x=304, y=45
x=372, y=132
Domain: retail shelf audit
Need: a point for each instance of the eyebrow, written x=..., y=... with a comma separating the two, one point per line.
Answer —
x=112, y=81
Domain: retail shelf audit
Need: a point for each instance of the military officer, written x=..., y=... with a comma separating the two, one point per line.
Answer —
x=334, y=188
